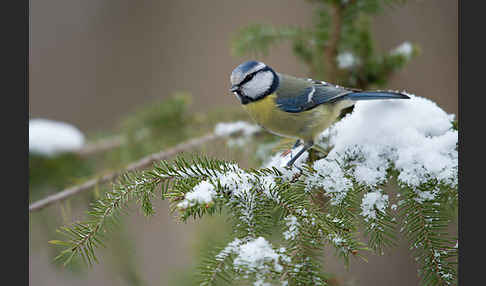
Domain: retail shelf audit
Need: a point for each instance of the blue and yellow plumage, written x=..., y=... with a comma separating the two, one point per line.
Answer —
x=294, y=107
x=304, y=125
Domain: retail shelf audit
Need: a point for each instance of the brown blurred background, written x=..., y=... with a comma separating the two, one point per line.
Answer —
x=92, y=61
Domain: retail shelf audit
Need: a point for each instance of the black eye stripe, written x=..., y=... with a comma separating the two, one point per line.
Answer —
x=248, y=78
x=251, y=75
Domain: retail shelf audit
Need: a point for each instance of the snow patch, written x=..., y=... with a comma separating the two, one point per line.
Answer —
x=372, y=202
x=50, y=138
x=346, y=60
x=405, y=49
x=255, y=255
x=230, y=128
x=232, y=247
x=202, y=193
x=293, y=228
x=414, y=136
x=331, y=178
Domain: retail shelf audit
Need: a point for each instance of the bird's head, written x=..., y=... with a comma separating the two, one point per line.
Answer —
x=252, y=81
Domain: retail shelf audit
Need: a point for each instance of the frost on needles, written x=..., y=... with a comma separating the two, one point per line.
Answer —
x=282, y=218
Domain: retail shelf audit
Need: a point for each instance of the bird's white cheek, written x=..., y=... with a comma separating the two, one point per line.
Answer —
x=258, y=85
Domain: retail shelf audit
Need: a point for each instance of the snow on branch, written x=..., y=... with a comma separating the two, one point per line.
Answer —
x=415, y=137
x=405, y=49
x=228, y=130
x=231, y=128
x=50, y=138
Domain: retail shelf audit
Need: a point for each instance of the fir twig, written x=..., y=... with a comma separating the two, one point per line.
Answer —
x=425, y=225
x=140, y=164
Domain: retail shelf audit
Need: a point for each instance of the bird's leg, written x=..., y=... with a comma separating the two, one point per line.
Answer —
x=297, y=144
x=307, y=146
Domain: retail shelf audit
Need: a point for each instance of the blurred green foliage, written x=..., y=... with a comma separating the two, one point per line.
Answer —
x=46, y=173
x=340, y=27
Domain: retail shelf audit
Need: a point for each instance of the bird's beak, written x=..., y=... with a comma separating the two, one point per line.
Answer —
x=234, y=88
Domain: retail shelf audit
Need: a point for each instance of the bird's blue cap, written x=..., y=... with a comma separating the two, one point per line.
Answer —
x=245, y=68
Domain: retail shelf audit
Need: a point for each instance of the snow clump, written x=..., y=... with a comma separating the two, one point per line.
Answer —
x=255, y=255
x=346, y=60
x=50, y=138
x=226, y=129
x=405, y=49
x=414, y=136
x=372, y=202
x=202, y=193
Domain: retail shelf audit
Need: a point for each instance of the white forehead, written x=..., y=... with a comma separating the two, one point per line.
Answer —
x=239, y=73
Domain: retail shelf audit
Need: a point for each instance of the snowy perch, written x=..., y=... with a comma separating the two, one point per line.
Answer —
x=411, y=141
x=415, y=137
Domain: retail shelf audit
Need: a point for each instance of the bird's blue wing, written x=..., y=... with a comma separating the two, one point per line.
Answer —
x=295, y=103
x=297, y=95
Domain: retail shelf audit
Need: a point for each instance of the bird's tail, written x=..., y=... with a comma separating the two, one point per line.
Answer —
x=369, y=95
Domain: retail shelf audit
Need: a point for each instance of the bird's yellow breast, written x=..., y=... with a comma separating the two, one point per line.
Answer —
x=305, y=125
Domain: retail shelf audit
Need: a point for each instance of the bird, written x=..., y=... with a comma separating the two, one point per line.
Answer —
x=298, y=108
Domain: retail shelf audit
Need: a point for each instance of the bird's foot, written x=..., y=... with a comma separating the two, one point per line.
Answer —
x=290, y=165
x=297, y=144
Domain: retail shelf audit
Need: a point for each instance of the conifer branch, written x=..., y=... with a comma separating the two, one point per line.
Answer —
x=204, y=186
x=425, y=223
x=142, y=163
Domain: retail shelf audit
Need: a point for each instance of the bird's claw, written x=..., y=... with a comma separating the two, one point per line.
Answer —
x=290, y=166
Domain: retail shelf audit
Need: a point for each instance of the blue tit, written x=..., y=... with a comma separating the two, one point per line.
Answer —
x=294, y=107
